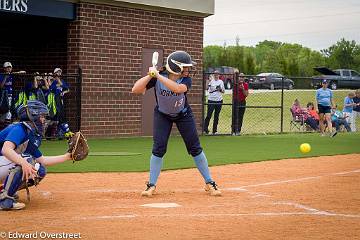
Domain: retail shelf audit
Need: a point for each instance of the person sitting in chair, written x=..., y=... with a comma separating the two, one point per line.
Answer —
x=338, y=119
x=303, y=114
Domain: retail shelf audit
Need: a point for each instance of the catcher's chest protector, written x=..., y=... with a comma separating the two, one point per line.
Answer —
x=34, y=141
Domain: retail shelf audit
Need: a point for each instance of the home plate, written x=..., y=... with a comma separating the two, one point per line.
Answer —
x=161, y=205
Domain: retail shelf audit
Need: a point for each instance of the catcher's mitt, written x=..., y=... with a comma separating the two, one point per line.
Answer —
x=78, y=147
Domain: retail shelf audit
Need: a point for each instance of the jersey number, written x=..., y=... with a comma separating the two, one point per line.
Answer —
x=178, y=103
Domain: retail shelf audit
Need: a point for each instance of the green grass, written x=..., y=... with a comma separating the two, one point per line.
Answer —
x=219, y=150
x=260, y=120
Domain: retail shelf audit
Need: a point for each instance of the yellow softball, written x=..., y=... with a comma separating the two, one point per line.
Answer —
x=305, y=148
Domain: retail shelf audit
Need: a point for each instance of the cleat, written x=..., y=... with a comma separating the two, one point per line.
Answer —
x=15, y=206
x=149, y=191
x=212, y=188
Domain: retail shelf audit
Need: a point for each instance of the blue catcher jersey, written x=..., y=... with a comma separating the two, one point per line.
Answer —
x=168, y=102
x=24, y=138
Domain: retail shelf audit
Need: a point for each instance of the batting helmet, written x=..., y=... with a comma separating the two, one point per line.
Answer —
x=32, y=110
x=176, y=61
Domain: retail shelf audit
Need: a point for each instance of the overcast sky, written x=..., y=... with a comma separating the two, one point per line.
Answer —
x=316, y=24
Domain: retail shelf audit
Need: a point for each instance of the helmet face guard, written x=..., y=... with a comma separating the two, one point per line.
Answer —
x=176, y=62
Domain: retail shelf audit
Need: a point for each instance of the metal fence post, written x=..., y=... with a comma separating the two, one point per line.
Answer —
x=203, y=103
x=282, y=106
x=235, y=103
x=79, y=92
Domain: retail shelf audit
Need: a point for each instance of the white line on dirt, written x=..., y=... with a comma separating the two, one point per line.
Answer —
x=242, y=188
x=106, y=217
x=200, y=215
x=301, y=206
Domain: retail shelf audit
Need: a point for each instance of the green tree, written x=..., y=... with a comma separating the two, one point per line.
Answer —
x=212, y=56
x=343, y=54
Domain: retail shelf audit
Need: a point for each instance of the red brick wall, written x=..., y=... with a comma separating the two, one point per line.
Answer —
x=107, y=42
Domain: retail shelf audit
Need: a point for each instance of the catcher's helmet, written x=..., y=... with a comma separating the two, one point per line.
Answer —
x=176, y=61
x=32, y=110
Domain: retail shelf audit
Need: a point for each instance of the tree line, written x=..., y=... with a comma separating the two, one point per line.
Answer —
x=285, y=58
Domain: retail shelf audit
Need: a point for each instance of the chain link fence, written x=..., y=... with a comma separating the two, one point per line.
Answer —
x=267, y=107
x=26, y=87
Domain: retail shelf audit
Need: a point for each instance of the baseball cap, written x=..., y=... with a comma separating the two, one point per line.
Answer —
x=216, y=72
x=57, y=69
x=7, y=64
x=324, y=81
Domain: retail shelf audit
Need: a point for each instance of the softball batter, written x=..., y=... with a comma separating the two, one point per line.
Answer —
x=171, y=86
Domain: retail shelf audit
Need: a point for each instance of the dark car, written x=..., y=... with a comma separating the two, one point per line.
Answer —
x=339, y=78
x=270, y=81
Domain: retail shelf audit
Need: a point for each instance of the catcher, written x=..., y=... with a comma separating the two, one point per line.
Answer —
x=21, y=163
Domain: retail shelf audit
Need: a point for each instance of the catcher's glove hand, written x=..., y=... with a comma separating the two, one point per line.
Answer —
x=78, y=147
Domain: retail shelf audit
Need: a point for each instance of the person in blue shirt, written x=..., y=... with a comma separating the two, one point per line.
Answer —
x=58, y=88
x=324, y=103
x=6, y=83
x=171, y=86
x=348, y=108
x=21, y=162
x=338, y=119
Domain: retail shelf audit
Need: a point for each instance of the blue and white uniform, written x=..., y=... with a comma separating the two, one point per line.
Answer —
x=8, y=80
x=25, y=140
x=174, y=108
x=168, y=102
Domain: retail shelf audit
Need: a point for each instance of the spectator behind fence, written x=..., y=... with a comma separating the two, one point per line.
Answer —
x=338, y=119
x=58, y=89
x=216, y=89
x=356, y=109
x=324, y=103
x=6, y=87
x=240, y=93
x=348, y=108
x=31, y=91
x=302, y=113
x=312, y=112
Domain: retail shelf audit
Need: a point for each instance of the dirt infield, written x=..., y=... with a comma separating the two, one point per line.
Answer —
x=309, y=198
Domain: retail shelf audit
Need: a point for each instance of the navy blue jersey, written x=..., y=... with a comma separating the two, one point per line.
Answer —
x=57, y=88
x=8, y=82
x=356, y=100
x=167, y=101
x=25, y=140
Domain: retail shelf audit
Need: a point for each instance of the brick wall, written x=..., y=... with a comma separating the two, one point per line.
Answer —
x=107, y=42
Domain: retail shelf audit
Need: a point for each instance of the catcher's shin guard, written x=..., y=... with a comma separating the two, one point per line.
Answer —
x=14, y=183
x=11, y=186
x=212, y=188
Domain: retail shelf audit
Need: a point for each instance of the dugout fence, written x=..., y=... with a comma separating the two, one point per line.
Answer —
x=24, y=88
